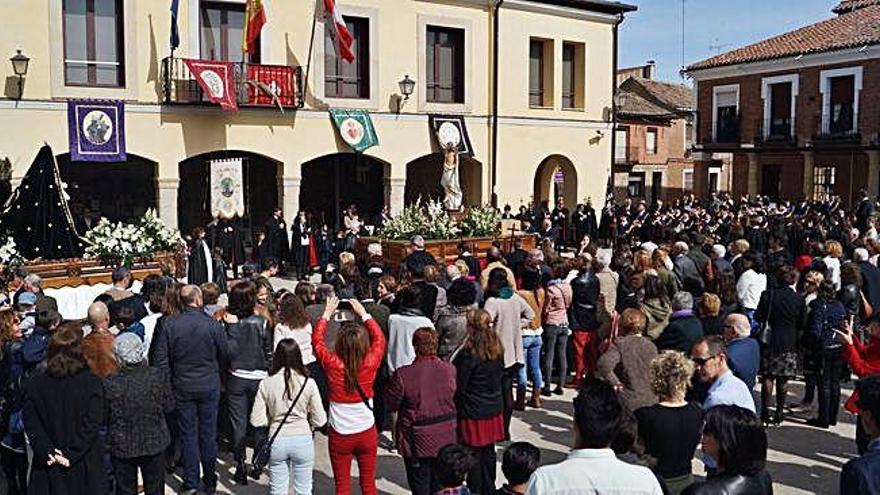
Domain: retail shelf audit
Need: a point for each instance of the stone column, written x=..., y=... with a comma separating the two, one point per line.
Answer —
x=395, y=194
x=754, y=167
x=290, y=189
x=167, y=188
x=701, y=174
x=873, y=173
x=809, y=173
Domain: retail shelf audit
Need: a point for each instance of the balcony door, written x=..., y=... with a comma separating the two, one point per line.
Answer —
x=221, y=32
x=780, y=110
x=727, y=116
x=842, y=111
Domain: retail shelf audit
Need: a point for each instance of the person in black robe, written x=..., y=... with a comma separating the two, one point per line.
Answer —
x=197, y=272
x=560, y=218
x=226, y=235
x=219, y=270
x=325, y=246
x=381, y=219
x=300, y=238
x=277, y=243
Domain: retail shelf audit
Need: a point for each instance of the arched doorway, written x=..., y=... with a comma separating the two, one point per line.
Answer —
x=194, y=194
x=556, y=177
x=423, y=179
x=120, y=191
x=333, y=182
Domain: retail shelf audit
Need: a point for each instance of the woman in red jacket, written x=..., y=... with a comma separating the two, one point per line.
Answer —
x=350, y=370
x=864, y=360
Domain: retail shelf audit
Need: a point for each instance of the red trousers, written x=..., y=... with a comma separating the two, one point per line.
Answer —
x=363, y=446
x=586, y=353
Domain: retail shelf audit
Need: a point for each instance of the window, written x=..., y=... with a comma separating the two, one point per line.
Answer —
x=823, y=183
x=651, y=141
x=656, y=185
x=93, y=43
x=635, y=187
x=222, y=29
x=621, y=143
x=780, y=110
x=714, y=179
x=569, y=83
x=842, y=111
x=445, y=65
x=537, y=73
x=343, y=79
x=687, y=180
x=726, y=114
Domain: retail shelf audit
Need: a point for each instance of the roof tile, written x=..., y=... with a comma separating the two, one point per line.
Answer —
x=857, y=28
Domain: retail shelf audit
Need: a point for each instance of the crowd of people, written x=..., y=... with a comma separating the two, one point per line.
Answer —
x=677, y=326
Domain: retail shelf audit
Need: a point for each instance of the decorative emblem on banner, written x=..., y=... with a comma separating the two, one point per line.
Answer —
x=216, y=80
x=451, y=130
x=355, y=128
x=227, y=188
x=96, y=130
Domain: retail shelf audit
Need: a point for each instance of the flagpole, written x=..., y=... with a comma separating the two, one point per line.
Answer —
x=309, y=59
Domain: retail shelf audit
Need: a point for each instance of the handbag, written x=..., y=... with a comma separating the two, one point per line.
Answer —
x=765, y=331
x=261, y=458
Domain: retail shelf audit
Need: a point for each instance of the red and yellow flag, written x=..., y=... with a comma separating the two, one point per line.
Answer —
x=254, y=18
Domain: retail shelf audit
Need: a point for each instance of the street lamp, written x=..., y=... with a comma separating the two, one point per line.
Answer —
x=407, y=86
x=20, y=67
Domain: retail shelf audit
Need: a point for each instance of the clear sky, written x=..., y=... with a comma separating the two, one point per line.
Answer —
x=711, y=26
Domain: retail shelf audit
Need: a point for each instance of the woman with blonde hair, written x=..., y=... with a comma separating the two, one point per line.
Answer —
x=670, y=429
x=661, y=264
x=479, y=368
x=709, y=311
x=833, y=253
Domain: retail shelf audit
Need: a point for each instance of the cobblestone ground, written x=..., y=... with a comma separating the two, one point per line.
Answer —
x=801, y=459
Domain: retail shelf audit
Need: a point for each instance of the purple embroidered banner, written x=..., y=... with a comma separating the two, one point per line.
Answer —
x=97, y=130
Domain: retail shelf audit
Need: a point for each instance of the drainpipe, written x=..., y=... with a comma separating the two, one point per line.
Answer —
x=613, y=104
x=496, y=7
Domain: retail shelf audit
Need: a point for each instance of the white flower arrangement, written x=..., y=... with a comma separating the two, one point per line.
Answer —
x=124, y=243
x=482, y=221
x=431, y=220
x=9, y=254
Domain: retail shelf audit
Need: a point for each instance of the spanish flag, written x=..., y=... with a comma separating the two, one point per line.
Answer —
x=254, y=18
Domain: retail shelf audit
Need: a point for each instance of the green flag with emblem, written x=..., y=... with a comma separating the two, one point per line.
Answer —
x=355, y=128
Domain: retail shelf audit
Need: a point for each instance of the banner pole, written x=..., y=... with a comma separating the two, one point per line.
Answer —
x=309, y=59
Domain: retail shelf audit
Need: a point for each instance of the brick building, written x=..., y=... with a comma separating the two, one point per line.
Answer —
x=800, y=111
x=654, y=135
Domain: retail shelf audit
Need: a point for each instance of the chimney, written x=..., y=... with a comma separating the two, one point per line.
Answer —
x=649, y=70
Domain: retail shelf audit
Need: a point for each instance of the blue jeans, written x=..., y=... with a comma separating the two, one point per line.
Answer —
x=532, y=349
x=197, y=421
x=291, y=454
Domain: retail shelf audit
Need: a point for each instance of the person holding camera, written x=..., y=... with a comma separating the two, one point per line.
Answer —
x=351, y=370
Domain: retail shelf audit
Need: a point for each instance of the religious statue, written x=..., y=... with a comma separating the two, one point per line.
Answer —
x=449, y=180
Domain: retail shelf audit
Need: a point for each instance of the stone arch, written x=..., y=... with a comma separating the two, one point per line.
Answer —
x=119, y=191
x=261, y=175
x=332, y=182
x=556, y=177
x=423, y=179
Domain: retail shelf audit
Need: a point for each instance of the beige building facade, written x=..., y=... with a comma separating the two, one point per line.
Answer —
x=119, y=49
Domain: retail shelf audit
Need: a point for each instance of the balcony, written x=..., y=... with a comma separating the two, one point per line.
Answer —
x=774, y=134
x=256, y=85
x=726, y=131
x=628, y=155
x=839, y=125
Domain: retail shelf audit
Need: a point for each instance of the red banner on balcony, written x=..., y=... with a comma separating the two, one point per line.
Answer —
x=216, y=80
x=271, y=85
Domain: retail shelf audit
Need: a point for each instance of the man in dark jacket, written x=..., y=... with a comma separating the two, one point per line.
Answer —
x=584, y=323
x=743, y=352
x=418, y=259
x=683, y=266
x=870, y=278
x=862, y=475
x=277, y=242
x=192, y=350
x=684, y=329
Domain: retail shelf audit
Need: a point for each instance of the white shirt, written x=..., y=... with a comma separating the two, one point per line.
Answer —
x=302, y=336
x=350, y=418
x=593, y=471
x=749, y=288
x=400, y=333
x=149, y=323
x=833, y=265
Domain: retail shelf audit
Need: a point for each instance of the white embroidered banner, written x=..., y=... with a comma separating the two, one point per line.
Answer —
x=227, y=189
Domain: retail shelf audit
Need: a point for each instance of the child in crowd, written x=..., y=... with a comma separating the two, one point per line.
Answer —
x=520, y=460
x=453, y=463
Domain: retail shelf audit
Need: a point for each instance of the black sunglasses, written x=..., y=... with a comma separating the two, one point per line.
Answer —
x=703, y=361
